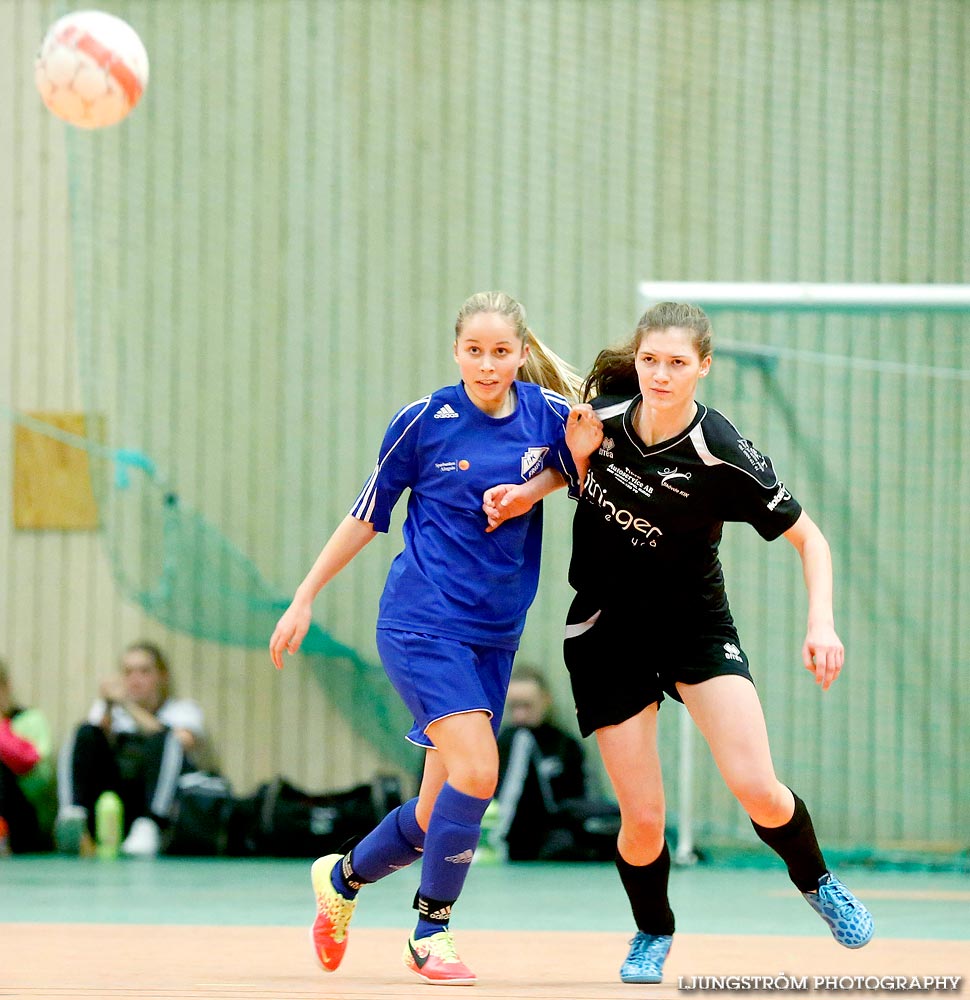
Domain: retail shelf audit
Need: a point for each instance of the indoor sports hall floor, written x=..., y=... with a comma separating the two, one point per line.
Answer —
x=172, y=928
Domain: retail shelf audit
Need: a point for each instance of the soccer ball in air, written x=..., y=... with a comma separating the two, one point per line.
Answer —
x=91, y=69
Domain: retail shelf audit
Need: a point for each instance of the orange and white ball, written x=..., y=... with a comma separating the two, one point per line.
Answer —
x=92, y=69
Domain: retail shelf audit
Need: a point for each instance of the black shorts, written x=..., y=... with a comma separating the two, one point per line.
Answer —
x=621, y=660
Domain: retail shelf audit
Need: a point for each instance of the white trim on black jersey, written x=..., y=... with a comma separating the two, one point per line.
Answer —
x=700, y=446
x=726, y=450
x=643, y=449
x=700, y=443
x=614, y=410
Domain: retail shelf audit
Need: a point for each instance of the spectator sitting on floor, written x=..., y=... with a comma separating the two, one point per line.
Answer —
x=27, y=794
x=137, y=741
x=541, y=772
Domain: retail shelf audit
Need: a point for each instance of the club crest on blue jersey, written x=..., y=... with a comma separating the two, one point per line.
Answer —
x=531, y=463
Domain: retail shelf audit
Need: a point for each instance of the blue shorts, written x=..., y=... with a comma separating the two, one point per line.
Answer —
x=438, y=677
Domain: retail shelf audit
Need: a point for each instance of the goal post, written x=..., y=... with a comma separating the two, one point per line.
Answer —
x=788, y=298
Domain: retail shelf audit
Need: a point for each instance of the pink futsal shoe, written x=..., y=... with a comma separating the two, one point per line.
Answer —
x=329, y=931
x=435, y=960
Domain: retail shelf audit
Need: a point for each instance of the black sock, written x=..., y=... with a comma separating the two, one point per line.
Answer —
x=795, y=843
x=646, y=888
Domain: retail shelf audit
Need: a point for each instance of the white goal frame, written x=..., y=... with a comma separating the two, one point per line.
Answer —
x=789, y=295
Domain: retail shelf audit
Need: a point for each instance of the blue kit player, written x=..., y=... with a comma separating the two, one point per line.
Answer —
x=452, y=610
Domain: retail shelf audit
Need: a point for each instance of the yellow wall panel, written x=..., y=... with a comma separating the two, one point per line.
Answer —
x=51, y=478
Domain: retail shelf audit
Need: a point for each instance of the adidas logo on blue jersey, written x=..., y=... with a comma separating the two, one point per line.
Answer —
x=445, y=413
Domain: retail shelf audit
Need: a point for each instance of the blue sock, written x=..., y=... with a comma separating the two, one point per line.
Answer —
x=394, y=843
x=453, y=832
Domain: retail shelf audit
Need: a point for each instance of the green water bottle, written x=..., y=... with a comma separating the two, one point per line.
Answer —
x=109, y=821
x=490, y=848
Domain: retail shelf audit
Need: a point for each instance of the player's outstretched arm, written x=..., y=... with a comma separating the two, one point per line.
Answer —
x=347, y=540
x=515, y=499
x=822, y=651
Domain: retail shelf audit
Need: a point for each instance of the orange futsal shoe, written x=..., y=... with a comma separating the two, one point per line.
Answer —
x=435, y=960
x=329, y=931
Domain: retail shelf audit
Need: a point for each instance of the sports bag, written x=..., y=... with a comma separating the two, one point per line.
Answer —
x=289, y=822
x=202, y=818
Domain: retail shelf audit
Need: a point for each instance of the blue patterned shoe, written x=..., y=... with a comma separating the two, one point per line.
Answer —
x=645, y=963
x=849, y=921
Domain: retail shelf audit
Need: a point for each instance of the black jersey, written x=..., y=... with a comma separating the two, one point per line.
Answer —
x=648, y=524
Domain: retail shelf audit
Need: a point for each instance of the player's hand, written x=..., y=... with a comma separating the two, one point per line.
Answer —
x=290, y=632
x=113, y=689
x=823, y=654
x=584, y=431
x=506, y=501
x=187, y=738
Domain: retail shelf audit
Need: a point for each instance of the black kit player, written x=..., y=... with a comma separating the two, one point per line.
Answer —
x=661, y=473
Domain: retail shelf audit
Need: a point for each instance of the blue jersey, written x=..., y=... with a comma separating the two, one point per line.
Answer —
x=452, y=579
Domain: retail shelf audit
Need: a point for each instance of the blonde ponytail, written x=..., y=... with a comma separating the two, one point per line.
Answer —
x=544, y=367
